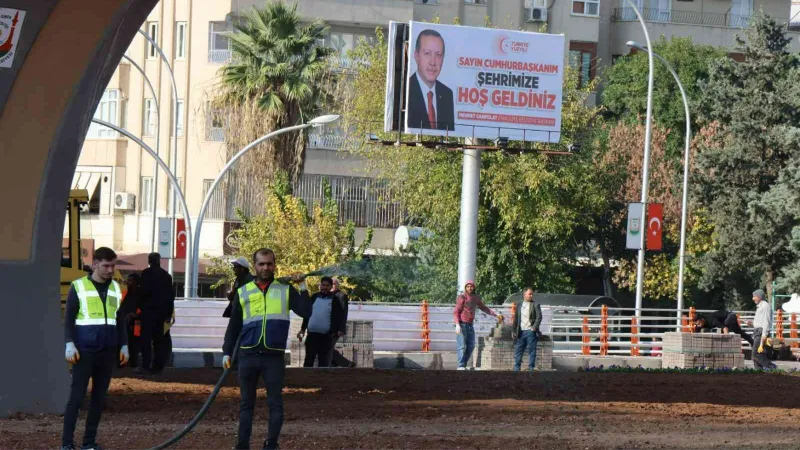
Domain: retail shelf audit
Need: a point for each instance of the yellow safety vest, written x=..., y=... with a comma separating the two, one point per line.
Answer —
x=91, y=309
x=265, y=316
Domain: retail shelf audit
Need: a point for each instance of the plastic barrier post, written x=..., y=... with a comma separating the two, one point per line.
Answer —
x=691, y=319
x=634, y=337
x=684, y=324
x=793, y=330
x=426, y=330
x=513, y=313
x=586, y=349
x=779, y=326
x=604, y=331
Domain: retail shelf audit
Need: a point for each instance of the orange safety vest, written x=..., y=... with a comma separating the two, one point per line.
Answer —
x=137, y=324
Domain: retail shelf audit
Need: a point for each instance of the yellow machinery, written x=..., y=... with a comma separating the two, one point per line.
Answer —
x=72, y=266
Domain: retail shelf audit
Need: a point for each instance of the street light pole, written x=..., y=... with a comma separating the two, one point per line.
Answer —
x=316, y=122
x=158, y=139
x=159, y=161
x=646, y=162
x=686, y=157
x=173, y=161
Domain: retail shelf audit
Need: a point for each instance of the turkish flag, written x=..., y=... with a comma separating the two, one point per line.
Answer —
x=180, y=239
x=655, y=222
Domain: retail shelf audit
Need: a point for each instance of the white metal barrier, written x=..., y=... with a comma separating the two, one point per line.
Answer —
x=199, y=326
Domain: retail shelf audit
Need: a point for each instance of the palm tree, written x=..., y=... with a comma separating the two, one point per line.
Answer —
x=277, y=78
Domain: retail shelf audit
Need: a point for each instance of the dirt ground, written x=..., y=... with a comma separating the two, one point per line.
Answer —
x=357, y=408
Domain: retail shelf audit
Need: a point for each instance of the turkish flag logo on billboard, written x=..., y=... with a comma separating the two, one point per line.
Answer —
x=655, y=217
x=180, y=239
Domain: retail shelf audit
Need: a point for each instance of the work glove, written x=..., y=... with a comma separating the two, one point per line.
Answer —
x=458, y=329
x=71, y=354
x=226, y=362
x=124, y=356
x=761, y=348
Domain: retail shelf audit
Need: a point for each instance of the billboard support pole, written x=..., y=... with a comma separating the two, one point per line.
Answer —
x=468, y=232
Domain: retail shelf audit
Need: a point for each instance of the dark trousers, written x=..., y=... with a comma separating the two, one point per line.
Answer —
x=526, y=341
x=96, y=366
x=270, y=367
x=732, y=323
x=760, y=360
x=318, y=346
x=152, y=343
x=337, y=359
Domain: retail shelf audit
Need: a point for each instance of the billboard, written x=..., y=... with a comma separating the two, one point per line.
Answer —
x=481, y=82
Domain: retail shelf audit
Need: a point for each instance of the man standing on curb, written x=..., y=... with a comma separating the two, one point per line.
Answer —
x=762, y=324
x=464, y=316
x=260, y=319
x=92, y=330
x=324, y=325
x=337, y=359
x=526, y=329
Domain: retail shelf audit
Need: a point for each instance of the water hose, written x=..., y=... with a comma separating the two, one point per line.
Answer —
x=203, y=410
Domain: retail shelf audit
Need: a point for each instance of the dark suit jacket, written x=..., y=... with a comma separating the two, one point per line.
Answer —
x=157, y=294
x=418, y=113
x=536, y=318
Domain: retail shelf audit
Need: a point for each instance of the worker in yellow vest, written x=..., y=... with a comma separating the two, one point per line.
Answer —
x=260, y=320
x=92, y=330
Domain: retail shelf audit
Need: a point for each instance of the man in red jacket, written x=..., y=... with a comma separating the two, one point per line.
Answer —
x=464, y=316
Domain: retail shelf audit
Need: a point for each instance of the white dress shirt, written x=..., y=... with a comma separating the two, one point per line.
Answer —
x=425, y=89
x=763, y=317
x=525, y=324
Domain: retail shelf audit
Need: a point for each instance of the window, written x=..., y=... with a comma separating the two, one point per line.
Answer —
x=152, y=31
x=108, y=110
x=146, y=195
x=216, y=207
x=150, y=118
x=586, y=7
x=178, y=205
x=741, y=10
x=219, y=46
x=180, y=40
x=582, y=59
x=214, y=124
x=179, y=111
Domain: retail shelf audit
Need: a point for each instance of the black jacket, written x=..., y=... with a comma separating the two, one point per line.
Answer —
x=338, y=315
x=102, y=337
x=239, y=282
x=536, y=318
x=157, y=293
x=344, y=300
x=418, y=113
x=715, y=319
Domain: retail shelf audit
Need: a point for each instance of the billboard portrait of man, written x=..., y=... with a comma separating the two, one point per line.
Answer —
x=430, y=102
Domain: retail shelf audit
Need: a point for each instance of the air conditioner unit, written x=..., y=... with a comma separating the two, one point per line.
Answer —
x=537, y=14
x=124, y=201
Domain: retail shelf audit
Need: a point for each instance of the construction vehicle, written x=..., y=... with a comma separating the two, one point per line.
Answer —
x=72, y=267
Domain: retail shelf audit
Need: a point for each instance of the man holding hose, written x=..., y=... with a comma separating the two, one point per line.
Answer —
x=260, y=320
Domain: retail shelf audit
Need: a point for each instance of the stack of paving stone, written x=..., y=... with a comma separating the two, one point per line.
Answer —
x=496, y=351
x=695, y=350
x=356, y=345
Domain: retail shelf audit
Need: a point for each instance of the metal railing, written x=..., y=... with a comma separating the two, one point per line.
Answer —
x=215, y=134
x=328, y=141
x=420, y=326
x=682, y=17
x=219, y=56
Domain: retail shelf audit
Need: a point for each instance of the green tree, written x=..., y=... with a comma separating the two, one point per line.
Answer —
x=278, y=76
x=624, y=93
x=747, y=178
x=305, y=238
x=528, y=202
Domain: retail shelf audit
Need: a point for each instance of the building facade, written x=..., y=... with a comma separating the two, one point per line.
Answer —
x=126, y=193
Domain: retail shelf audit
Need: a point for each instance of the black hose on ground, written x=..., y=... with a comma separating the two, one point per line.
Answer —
x=203, y=410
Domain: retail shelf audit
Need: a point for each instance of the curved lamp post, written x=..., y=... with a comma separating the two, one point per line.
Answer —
x=316, y=122
x=164, y=166
x=686, y=156
x=158, y=139
x=646, y=163
x=174, y=157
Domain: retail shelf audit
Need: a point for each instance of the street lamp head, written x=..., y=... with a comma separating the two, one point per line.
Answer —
x=636, y=45
x=324, y=120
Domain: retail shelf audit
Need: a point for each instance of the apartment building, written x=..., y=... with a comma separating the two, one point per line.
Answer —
x=126, y=194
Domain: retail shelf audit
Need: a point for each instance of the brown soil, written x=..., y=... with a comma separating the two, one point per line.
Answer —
x=352, y=408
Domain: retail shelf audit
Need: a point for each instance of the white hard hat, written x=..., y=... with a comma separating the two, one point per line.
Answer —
x=242, y=261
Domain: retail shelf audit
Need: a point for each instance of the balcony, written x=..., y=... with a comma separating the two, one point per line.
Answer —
x=219, y=56
x=682, y=17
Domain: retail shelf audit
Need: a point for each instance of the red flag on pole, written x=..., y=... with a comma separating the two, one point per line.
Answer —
x=180, y=239
x=655, y=217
